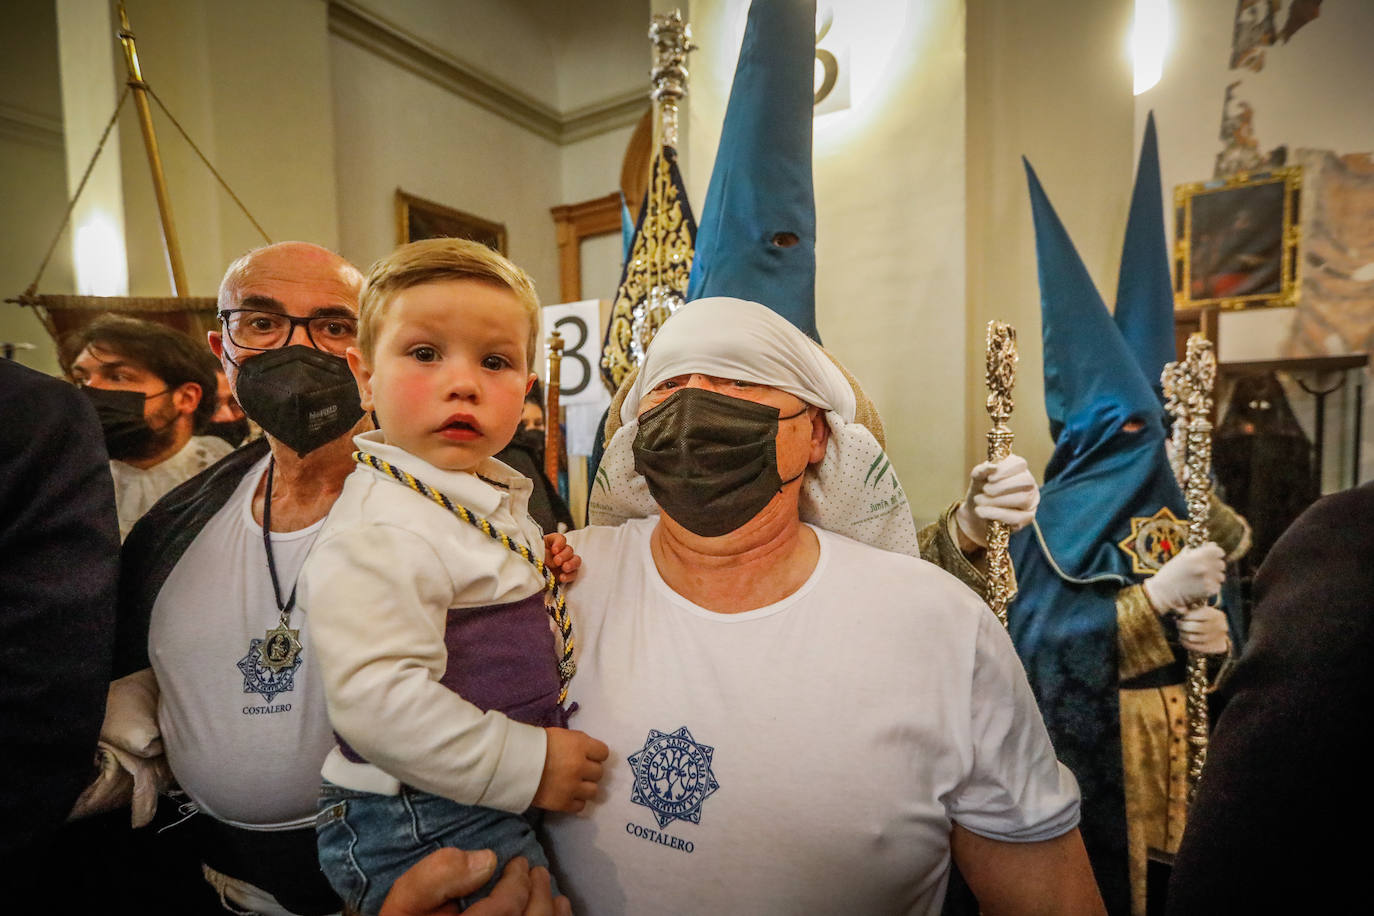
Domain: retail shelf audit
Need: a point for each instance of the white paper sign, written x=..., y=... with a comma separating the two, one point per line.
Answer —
x=580, y=387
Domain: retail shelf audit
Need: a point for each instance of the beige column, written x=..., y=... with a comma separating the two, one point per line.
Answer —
x=92, y=80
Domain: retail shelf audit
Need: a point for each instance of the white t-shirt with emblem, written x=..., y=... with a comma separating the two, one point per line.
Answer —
x=805, y=757
x=246, y=743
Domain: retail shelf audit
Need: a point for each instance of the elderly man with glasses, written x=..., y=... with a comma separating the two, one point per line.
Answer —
x=210, y=637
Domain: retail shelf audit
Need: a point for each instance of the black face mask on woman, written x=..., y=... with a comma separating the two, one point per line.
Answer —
x=127, y=433
x=304, y=397
x=710, y=459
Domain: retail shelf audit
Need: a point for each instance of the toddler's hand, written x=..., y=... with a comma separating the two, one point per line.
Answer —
x=572, y=768
x=559, y=557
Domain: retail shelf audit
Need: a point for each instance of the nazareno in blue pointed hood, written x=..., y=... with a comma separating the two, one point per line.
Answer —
x=757, y=236
x=1069, y=563
x=1100, y=475
x=1144, y=294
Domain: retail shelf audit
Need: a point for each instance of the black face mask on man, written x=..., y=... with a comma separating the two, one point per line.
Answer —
x=710, y=459
x=231, y=431
x=532, y=440
x=304, y=397
x=128, y=437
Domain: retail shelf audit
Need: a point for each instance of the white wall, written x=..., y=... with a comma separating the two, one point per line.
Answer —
x=1048, y=80
x=889, y=180
x=1316, y=92
x=398, y=130
x=315, y=134
x=590, y=168
x=274, y=136
x=890, y=211
x=566, y=55
x=601, y=47
x=173, y=50
x=250, y=85
x=499, y=38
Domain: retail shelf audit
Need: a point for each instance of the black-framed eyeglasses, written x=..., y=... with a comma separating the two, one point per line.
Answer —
x=252, y=329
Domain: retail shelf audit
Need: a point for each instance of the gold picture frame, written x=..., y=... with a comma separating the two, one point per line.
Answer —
x=417, y=218
x=1236, y=241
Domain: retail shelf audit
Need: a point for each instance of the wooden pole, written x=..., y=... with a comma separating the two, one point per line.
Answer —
x=553, y=442
x=145, y=122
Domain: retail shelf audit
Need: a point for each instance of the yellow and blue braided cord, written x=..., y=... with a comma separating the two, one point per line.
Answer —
x=558, y=608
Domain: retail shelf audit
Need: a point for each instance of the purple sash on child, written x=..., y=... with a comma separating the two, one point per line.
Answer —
x=502, y=657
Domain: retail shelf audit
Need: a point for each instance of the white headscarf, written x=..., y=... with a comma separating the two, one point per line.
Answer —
x=852, y=491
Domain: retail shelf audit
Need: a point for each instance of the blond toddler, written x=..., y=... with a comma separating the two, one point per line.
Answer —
x=439, y=663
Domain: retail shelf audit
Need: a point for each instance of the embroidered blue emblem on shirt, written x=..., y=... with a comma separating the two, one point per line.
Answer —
x=672, y=776
x=258, y=678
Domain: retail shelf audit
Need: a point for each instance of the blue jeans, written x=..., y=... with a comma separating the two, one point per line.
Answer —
x=367, y=841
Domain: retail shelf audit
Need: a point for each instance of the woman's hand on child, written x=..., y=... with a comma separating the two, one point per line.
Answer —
x=559, y=556
x=572, y=768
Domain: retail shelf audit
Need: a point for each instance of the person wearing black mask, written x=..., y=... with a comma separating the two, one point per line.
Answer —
x=207, y=603
x=525, y=453
x=228, y=422
x=754, y=627
x=152, y=387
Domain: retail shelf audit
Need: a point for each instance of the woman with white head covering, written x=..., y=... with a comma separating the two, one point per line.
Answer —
x=803, y=716
x=852, y=490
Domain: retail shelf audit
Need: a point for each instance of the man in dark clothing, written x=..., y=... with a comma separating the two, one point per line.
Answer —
x=201, y=588
x=57, y=515
x=1284, y=780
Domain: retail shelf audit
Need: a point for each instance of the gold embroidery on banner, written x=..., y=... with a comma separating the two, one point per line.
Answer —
x=655, y=278
x=1154, y=540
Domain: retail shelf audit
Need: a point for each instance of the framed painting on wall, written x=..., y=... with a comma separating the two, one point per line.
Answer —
x=1236, y=241
x=417, y=218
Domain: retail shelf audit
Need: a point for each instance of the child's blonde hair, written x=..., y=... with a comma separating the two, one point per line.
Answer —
x=433, y=261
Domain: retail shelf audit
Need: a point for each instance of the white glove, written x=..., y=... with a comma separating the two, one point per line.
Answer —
x=1004, y=491
x=131, y=715
x=124, y=779
x=1193, y=576
x=129, y=754
x=1204, y=630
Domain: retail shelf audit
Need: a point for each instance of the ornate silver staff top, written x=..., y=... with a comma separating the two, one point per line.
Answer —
x=1001, y=377
x=655, y=283
x=672, y=40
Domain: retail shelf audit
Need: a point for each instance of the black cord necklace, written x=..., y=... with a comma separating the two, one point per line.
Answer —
x=281, y=646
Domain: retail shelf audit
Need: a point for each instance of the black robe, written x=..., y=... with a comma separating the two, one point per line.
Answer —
x=59, y=560
x=1280, y=818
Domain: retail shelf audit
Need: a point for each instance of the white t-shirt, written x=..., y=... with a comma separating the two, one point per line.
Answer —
x=805, y=757
x=245, y=744
x=136, y=489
